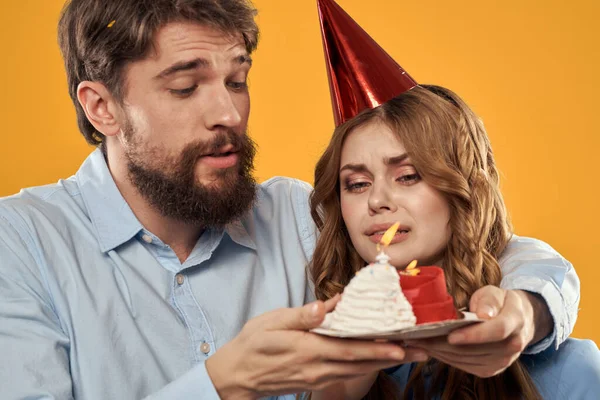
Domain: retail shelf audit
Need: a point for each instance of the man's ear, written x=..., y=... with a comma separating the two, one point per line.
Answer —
x=100, y=107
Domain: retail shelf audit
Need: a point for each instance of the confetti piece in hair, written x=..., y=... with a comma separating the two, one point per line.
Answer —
x=110, y=25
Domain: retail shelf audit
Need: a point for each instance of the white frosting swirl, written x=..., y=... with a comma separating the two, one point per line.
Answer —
x=372, y=302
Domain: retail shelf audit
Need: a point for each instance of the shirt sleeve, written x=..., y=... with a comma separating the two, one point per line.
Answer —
x=532, y=265
x=34, y=348
x=194, y=384
x=300, y=193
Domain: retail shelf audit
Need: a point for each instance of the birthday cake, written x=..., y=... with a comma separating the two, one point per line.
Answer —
x=381, y=299
x=372, y=302
x=427, y=294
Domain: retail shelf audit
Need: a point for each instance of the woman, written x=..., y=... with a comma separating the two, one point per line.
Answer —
x=423, y=159
x=419, y=155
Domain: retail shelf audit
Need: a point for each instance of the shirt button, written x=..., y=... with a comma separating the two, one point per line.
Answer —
x=180, y=278
x=147, y=238
x=205, y=348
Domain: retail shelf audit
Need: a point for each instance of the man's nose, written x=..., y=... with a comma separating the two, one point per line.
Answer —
x=222, y=110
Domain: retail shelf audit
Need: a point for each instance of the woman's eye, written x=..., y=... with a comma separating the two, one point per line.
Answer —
x=356, y=186
x=409, y=178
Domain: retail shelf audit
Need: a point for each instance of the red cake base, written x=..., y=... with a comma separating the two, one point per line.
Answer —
x=427, y=294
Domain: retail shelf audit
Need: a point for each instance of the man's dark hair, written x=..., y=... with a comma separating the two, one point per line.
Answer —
x=95, y=48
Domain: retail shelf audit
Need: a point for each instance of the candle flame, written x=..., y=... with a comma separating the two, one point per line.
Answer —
x=389, y=234
x=411, y=269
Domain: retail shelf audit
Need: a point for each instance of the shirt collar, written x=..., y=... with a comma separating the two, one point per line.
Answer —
x=113, y=219
x=239, y=234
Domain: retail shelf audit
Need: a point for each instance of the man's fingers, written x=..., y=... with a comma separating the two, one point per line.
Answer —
x=487, y=301
x=313, y=346
x=355, y=350
x=441, y=345
x=332, y=302
x=487, y=353
x=500, y=359
x=508, y=322
x=358, y=368
x=302, y=318
x=482, y=370
x=491, y=331
x=334, y=371
x=321, y=375
x=451, y=360
x=509, y=346
x=333, y=349
x=414, y=355
x=471, y=369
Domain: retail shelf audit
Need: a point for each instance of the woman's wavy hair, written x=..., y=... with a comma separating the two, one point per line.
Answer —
x=449, y=148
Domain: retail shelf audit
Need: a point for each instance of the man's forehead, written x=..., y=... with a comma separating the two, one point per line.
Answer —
x=181, y=37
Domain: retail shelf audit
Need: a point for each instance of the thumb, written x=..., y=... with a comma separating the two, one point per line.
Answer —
x=332, y=302
x=487, y=301
x=300, y=318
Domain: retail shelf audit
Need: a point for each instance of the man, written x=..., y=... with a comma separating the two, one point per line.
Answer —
x=154, y=271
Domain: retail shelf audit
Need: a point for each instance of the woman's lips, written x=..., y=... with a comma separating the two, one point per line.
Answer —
x=400, y=236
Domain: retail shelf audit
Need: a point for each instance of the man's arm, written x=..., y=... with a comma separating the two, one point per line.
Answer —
x=534, y=267
x=273, y=355
x=535, y=306
x=34, y=346
x=540, y=315
x=194, y=384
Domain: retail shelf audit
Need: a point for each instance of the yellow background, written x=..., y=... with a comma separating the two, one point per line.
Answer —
x=529, y=68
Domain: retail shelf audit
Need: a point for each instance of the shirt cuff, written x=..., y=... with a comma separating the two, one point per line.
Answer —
x=194, y=384
x=555, y=302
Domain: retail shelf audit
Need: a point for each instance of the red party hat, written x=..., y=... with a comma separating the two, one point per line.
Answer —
x=361, y=74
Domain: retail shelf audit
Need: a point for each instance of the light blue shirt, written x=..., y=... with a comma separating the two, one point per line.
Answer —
x=94, y=306
x=571, y=372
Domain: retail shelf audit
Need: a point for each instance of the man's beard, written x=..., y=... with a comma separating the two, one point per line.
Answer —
x=172, y=187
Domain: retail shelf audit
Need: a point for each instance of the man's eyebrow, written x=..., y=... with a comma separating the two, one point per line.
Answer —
x=183, y=66
x=243, y=59
x=198, y=63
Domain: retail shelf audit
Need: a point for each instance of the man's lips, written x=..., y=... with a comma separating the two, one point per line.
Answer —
x=226, y=157
x=222, y=152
